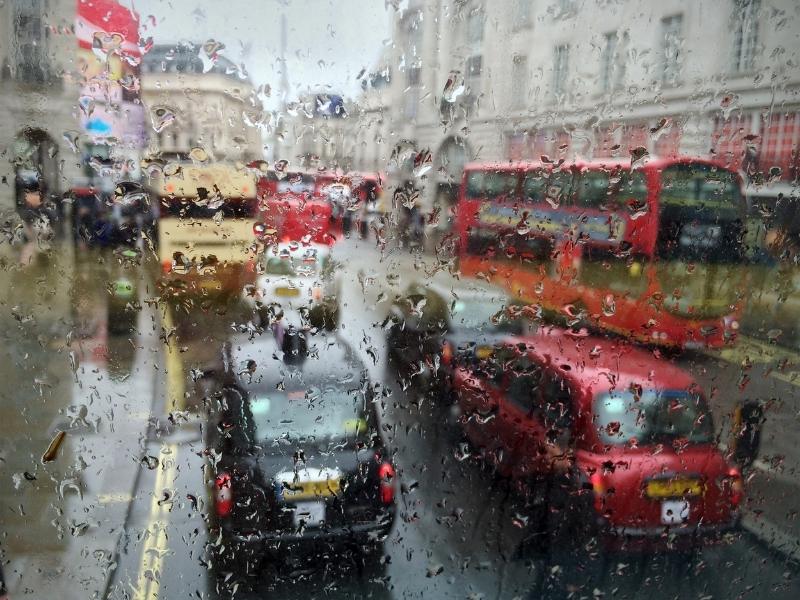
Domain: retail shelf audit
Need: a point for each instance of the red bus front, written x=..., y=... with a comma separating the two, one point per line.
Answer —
x=289, y=209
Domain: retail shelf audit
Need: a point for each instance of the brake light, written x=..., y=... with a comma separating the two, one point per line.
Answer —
x=447, y=353
x=737, y=486
x=599, y=489
x=223, y=495
x=386, y=478
x=166, y=266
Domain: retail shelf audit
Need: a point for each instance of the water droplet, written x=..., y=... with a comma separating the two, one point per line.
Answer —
x=209, y=54
x=72, y=138
x=423, y=162
x=129, y=193
x=638, y=155
x=453, y=87
x=198, y=154
x=172, y=169
x=162, y=117
x=636, y=208
x=130, y=82
x=87, y=105
x=773, y=335
x=608, y=305
x=151, y=462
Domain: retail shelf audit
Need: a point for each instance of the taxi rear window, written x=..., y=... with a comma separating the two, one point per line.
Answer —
x=653, y=417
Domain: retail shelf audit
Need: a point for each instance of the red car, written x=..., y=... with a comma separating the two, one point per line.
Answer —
x=629, y=438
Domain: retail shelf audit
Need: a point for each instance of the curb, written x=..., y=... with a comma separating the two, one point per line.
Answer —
x=772, y=536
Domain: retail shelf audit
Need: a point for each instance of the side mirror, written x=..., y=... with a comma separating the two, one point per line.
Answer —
x=748, y=419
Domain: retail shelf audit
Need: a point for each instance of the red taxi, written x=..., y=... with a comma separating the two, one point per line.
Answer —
x=634, y=434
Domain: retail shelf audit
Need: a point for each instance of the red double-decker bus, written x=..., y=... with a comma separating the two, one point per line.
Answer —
x=653, y=252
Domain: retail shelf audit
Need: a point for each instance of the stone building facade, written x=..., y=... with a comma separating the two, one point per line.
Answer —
x=520, y=79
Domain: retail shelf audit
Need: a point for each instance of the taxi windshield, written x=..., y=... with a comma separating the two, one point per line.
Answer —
x=486, y=313
x=307, y=414
x=652, y=417
x=303, y=264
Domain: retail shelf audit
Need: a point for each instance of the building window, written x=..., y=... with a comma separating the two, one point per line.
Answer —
x=30, y=43
x=728, y=139
x=607, y=59
x=779, y=154
x=519, y=82
x=671, y=42
x=612, y=61
x=413, y=56
x=411, y=103
x=521, y=13
x=474, y=67
x=560, y=70
x=745, y=34
x=413, y=76
x=475, y=29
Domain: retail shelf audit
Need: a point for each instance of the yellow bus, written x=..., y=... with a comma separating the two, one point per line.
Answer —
x=205, y=233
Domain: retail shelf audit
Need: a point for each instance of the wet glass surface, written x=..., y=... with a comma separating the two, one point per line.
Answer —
x=446, y=299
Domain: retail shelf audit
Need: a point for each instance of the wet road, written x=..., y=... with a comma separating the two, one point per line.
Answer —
x=459, y=529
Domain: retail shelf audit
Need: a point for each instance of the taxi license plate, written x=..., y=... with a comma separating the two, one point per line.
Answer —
x=674, y=512
x=673, y=488
x=287, y=292
x=210, y=284
x=311, y=489
x=310, y=514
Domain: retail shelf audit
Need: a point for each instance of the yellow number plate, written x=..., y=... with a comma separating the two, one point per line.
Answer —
x=674, y=488
x=285, y=291
x=312, y=489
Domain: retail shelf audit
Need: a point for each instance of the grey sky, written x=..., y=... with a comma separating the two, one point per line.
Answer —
x=328, y=41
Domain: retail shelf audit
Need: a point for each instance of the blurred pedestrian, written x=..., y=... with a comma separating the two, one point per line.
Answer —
x=37, y=216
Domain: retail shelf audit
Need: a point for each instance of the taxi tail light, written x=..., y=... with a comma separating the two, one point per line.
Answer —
x=737, y=486
x=447, y=353
x=386, y=478
x=223, y=495
x=166, y=266
x=599, y=489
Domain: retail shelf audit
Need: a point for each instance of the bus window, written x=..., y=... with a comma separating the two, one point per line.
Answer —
x=632, y=191
x=701, y=214
x=296, y=184
x=593, y=189
x=602, y=269
x=561, y=187
x=699, y=186
x=535, y=185
x=491, y=184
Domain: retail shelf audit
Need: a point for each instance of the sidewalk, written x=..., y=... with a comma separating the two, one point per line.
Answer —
x=106, y=414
